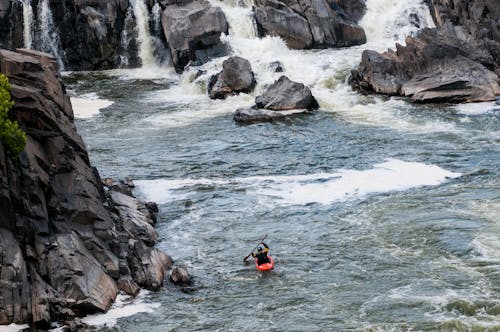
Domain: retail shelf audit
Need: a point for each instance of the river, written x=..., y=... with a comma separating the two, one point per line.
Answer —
x=382, y=215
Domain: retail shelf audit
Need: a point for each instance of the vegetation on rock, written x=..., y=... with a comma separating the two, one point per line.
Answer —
x=10, y=133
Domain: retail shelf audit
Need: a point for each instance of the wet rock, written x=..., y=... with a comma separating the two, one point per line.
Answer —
x=285, y=94
x=309, y=23
x=249, y=115
x=192, y=30
x=236, y=76
x=434, y=66
x=180, y=276
x=68, y=240
x=456, y=62
x=276, y=67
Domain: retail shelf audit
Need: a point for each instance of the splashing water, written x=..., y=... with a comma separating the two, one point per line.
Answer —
x=49, y=36
x=27, y=24
x=146, y=51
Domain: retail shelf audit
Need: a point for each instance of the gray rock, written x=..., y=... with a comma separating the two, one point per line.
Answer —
x=308, y=23
x=236, y=76
x=180, y=276
x=284, y=95
x=276, y=67
x=250, y=115
x=192, y=30
x=65, y=240
x=434, y=66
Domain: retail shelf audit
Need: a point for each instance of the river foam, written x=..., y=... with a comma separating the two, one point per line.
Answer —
x=123, y=307
x=324, y=188
x=88, y=105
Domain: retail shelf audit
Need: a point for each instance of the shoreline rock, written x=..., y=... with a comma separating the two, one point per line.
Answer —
x=459, y=61
x=68, y=242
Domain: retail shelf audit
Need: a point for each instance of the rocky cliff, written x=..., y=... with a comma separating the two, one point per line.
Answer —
x=95, y=35
x=68, y=243
x=458, y=61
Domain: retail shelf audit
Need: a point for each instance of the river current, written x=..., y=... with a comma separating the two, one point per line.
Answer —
x=381, y=215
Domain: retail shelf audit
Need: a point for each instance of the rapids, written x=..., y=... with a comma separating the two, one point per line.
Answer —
x=381, y=215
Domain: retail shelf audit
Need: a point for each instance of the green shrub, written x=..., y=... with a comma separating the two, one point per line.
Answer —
x=12, y=137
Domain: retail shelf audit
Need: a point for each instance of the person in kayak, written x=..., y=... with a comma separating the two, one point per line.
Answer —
x=261, y=254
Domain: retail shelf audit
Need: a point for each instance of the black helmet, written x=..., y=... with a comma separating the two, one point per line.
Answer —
x=260, y=248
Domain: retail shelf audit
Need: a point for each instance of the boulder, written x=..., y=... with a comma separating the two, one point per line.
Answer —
x=236, y=76
x=308, y=23
x=192, y=30
x=433, y=66
x=180, y=276
x=285, y=94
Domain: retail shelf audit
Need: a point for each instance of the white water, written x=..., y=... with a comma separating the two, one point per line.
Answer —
x=326, y=188
x=88, y=105
x=13, y=327
x=124, y=306
x=156, y=12
x=144, y=38
x=27, y=24
x=477, y=108
x=49, y=36
x=324, y=71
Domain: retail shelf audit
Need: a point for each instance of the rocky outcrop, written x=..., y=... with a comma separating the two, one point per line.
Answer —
x=192, y=30
x=311, y=23
x=281, y=99
x=456, y=62
x=236, y=76
x=68, y=244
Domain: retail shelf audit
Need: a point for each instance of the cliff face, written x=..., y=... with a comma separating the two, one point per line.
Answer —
x=68, y=244
x=456, y=62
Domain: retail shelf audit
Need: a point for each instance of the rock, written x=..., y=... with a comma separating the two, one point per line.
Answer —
x=236, y=76
x=274, y=18
x=434, y=66
x=456, y=62
x=250, y=115
x=192, y=30
x=180, y=276
x=459, y=80
x=284, y=95
x=309, y=23
x=276, y=67
x=67, y=244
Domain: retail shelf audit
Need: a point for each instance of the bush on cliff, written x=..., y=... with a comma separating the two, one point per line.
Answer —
x=11, y=136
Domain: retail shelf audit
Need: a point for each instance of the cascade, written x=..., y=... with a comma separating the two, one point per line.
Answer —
x=27, y=24
x=143, y=34
x=49, y=38
x=394, y=20
x=156, y=12
x=125, y=38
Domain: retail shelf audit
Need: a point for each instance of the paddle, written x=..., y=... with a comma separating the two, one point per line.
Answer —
x=250, y=254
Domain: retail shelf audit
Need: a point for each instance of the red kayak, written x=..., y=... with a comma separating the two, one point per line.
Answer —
x=266, y=266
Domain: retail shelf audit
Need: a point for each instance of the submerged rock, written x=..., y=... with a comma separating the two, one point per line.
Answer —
x=285, y=94
x=236, y=76
x=180, y=276
x=250, y=115
x=192, y=30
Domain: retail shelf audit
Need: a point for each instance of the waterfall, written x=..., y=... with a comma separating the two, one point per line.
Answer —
x=144, y=36
x=125, y=39
x=156, y=11
x=27, y=24
x=49, y=38
x=394, y=20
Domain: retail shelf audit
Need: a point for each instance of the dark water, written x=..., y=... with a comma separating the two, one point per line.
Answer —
x=353, y=250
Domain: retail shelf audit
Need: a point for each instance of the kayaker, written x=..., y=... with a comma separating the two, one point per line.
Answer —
x=261, y=254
